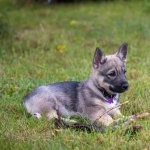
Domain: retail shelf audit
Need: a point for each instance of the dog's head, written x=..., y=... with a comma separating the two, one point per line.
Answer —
x=109, y=72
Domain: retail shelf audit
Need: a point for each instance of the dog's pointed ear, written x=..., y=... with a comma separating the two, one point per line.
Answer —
x=99, y=58
x=123, y=51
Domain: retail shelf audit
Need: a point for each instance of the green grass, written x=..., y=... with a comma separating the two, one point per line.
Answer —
x=46, y=44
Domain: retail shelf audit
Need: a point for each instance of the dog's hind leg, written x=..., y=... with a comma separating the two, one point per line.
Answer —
x=52, y=114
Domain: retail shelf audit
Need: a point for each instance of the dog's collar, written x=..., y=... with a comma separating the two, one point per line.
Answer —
x=109, y=97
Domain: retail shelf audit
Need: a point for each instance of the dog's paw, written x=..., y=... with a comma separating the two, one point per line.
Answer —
x=37, y=115
x=117, y=115
x=106, y=120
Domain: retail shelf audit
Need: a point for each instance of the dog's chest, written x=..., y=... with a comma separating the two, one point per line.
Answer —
x=112, y=102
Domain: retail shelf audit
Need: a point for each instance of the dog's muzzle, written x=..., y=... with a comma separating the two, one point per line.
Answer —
x=120, y=88
x=125, y=86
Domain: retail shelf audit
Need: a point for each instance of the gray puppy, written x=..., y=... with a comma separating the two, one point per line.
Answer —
x=90, y=98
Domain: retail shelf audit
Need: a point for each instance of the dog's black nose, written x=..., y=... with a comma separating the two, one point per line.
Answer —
x=125, y=86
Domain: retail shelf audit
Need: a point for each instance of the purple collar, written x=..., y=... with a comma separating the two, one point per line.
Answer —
x=110, y=100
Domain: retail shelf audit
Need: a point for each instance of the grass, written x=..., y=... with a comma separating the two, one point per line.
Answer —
x=46, y=44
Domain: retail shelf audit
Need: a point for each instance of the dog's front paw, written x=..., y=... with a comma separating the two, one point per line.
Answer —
x=117, y=115
x=106, y=120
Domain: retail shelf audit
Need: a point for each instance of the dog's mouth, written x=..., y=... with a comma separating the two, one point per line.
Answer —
x=120, y=88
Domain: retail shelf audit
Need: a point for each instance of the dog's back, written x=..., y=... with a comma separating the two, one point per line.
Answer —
x=56, y=96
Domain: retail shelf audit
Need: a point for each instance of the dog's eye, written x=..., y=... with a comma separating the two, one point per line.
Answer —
x=112, y=74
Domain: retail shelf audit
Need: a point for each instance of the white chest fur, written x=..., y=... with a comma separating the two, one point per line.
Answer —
x=113, y=104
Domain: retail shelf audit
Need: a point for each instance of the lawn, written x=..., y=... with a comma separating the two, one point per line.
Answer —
x=42, y=44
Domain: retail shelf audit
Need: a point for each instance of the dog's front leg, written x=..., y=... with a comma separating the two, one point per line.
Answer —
x=117, y=114
x=96, y=113
x=106, y=120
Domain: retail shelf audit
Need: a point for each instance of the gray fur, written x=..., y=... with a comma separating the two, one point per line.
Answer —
x=84, y=98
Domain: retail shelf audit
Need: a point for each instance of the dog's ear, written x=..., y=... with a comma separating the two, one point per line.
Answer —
x=99, y=58
x=123, y=51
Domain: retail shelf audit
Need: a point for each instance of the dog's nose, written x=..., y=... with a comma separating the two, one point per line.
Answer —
x=125, y=86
